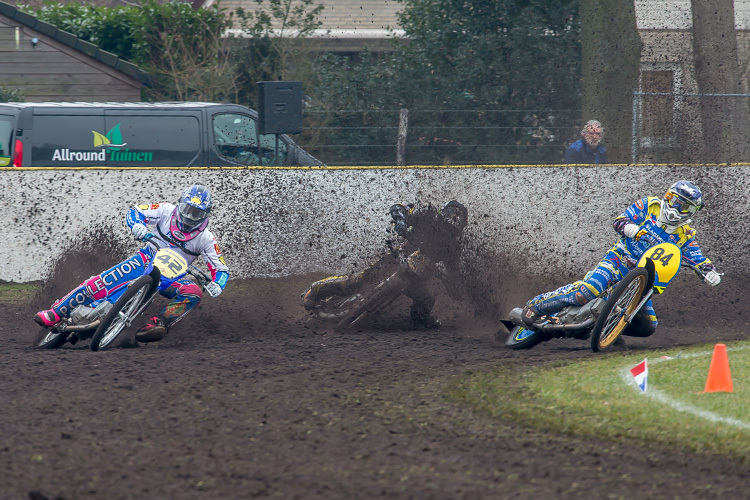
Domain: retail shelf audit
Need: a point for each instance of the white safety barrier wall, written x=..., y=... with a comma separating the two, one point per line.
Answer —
x=277, y=222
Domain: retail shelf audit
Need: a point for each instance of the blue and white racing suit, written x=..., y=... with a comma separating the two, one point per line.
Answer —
x=623, y=257
x=185, y=293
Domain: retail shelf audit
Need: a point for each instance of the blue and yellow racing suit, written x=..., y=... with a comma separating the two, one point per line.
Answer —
x=623, y=257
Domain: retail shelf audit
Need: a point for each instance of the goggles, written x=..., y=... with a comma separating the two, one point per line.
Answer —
x=192, y=213
x=683, y=206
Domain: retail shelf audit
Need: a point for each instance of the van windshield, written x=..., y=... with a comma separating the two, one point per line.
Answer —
x=6, y=138
x=236, y=140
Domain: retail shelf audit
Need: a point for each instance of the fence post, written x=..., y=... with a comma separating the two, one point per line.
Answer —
x=634, y=129
x=403, y=125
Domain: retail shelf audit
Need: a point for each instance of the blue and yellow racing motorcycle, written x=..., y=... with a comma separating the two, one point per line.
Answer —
x=605, y=318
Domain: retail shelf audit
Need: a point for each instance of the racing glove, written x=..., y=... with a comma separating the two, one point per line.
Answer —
x=140, y=232
x=401, y=228
x=633, y=231
x=213, y=288
x=398, y=214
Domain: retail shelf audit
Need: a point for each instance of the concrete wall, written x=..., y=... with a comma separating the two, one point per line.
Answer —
x=283, y=222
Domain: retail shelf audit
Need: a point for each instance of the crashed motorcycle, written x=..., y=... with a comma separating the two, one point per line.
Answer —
x=348, y=310
x=605, y=318
x=105, y=319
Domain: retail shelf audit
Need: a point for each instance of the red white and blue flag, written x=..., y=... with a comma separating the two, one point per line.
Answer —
x=640, y=374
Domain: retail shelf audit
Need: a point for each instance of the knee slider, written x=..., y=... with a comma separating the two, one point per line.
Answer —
x=192, y=290
x=584, y=293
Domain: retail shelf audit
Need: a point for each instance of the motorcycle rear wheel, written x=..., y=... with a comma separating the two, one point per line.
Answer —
x=622, y=301
x=123, y=312
x=51, y=340
x=523, y=338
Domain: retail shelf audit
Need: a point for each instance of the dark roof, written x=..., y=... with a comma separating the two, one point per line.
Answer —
x=125, y=105
x=74, y=42
x=365, y=16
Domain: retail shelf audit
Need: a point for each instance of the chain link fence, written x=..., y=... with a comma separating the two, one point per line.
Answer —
x=666, y=127
x=683, y=127
x=440, y=137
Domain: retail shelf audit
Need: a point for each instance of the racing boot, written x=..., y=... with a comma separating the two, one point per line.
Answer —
x=47, y=318
x=153, y=331
x=573, y=294
x=530, y=315
x=423, y=321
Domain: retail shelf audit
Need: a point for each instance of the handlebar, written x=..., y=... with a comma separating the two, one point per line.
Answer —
x=199, y=275
x=651, y=240
x=692, y=265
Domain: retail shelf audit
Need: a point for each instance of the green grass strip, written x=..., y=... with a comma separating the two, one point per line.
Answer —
x=11, y=293
x=594, y=398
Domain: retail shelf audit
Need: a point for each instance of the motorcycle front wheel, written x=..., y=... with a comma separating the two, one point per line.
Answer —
x=622, y=302
x=123, y=312
x=380, y=296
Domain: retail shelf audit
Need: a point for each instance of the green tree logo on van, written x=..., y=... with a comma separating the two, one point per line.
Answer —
x=113, y=139
x=110, y=149
x=113, y=146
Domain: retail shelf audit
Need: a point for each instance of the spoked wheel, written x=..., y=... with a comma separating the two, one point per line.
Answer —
x=622, y=302
x=51, y=340
x=122, y=314
x=382, y=294
x=336, y=306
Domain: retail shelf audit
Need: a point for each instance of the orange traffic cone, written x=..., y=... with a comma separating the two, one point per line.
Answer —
x=719, y=379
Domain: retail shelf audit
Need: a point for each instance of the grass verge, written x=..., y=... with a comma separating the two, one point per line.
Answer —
x=11, y=293
x=597, y=398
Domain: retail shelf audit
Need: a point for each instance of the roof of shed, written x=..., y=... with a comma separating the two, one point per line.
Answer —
x=365, y=15
x=74, y=42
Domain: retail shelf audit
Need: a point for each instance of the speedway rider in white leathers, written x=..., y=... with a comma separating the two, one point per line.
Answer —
x=182, y=227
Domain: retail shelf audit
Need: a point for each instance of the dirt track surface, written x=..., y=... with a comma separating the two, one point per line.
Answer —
x=245, y=400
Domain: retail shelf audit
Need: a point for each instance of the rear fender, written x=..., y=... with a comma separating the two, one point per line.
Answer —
x=649, y=265
x=508, y=324
x=157, y=281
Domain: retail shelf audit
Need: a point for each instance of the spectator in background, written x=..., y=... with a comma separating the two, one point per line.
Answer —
x=588, y=149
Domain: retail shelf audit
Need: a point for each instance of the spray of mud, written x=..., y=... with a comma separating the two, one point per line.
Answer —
x=475, y=299
x=87, y=256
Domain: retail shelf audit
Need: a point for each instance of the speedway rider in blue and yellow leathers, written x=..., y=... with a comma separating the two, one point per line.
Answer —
x=646, y=222
x=182, y=227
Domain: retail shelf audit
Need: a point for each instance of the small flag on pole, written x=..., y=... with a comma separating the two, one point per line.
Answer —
x=640, y=374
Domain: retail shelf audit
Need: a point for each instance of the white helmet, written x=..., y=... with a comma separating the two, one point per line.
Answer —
x=682, y=201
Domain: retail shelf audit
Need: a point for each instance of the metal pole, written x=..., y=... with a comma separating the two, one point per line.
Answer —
x=403, y=124
x=634, y=131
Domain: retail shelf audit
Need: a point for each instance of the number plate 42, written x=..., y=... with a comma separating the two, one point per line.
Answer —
x=171, y=264
x=667, y=258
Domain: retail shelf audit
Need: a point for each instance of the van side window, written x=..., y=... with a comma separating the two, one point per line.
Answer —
x=236, y=140
x=67, y=140
x=158, y=140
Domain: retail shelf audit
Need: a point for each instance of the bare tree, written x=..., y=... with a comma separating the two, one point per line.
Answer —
x=724, y=120
x=197, y=68
x=611, y=52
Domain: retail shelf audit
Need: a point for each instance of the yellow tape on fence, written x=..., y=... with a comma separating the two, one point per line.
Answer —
x=387, y=167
